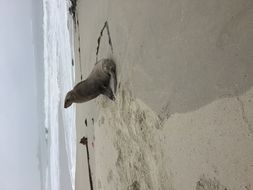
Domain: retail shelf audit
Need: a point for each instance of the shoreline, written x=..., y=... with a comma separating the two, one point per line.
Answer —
x=84, y=118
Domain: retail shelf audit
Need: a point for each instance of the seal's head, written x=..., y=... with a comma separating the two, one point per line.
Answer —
x=69, y=99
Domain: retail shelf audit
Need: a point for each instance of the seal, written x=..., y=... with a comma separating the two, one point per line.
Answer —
x=98, y=82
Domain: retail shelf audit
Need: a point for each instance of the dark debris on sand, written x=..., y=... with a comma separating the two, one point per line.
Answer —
x=84, y=141
x=74, y=14
x=72, y=9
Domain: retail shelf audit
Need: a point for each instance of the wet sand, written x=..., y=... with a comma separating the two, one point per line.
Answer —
x=85, y=114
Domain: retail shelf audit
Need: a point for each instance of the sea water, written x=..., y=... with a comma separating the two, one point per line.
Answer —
x=59, y=78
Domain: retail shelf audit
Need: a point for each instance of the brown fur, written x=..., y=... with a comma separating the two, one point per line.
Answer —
x=98, y=82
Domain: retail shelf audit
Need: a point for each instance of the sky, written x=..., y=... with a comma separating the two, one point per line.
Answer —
x=18, y=97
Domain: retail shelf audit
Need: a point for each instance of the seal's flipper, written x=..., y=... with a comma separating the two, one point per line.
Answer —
x=113, y=81
x=112, y=71
x=108, y=92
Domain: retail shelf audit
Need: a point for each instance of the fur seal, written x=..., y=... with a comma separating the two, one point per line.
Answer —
x=98, y=82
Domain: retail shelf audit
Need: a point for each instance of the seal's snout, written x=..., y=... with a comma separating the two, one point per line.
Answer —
x=67, y=104
x=68, y=100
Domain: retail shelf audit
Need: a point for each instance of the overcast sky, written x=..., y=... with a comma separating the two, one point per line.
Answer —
x=18, y=111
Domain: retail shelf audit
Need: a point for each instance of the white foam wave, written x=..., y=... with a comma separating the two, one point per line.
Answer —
x=59, y=78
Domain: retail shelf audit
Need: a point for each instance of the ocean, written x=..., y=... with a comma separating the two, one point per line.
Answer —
x=59, y=76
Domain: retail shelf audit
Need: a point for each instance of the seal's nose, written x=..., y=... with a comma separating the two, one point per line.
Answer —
x=67, y=104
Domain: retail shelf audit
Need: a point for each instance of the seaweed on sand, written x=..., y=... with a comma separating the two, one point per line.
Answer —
x=72, y=9
x=84, y=141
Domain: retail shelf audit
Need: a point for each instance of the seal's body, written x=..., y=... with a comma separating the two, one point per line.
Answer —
x=98, y=82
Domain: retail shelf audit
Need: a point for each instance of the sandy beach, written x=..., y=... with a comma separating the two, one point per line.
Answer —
x=182, y=118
